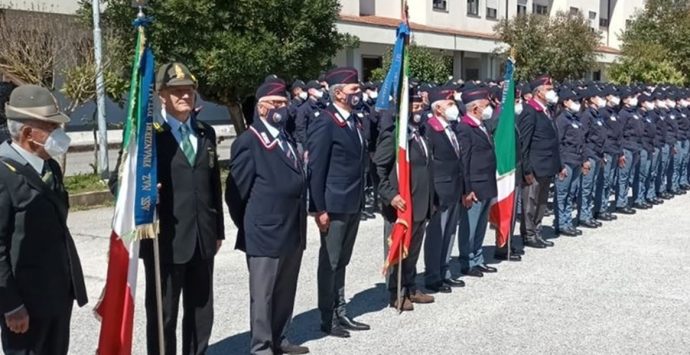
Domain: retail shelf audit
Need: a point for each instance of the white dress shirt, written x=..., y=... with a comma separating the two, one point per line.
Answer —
x=34, y=160
x=175, y=129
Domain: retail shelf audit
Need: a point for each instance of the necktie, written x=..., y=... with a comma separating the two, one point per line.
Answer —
x=453, y=140
x=285, y=146
x=420, y=141
x=187, y=148
x=47, y=176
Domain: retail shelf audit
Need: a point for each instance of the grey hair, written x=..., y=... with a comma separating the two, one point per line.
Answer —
x=15, y=128
x=333, y=88
x=435, y=105
x=472, y=104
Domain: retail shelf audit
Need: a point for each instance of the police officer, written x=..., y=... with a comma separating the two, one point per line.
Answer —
x=664, y=140
x=422, y=189
x=266, y=196
x=649, y=154
x=307, y=110
x=539, y=157
x=632, y=130
x=571, y=137
x=684, y=124
x=448, y=182
x=40, y=271
x=595, y=138
x=337, y=151
x=613, y=157
x=678, y=149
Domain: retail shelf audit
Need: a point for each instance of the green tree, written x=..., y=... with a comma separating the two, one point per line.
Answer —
x=563, y=46
x=425, y=65
x=655, y=44
x=232, y=45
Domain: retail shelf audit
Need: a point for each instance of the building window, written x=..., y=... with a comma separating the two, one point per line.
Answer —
x=604, y=22
x=574, y=11
x=491, y=13
x=522, y=9
x=592, y=15
x=540, y=9
x=596, y=76
x=369, y=63
x=441, y=5
x=473, y=7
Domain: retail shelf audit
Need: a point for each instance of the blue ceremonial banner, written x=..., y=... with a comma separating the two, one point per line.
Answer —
x=146, y=172
x=391, y=85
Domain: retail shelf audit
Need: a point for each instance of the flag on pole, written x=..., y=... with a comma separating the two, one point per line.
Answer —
x=396, y=85
x=501, y=214
x=134, y=216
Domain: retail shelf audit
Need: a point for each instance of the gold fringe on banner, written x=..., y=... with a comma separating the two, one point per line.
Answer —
x=148, y=231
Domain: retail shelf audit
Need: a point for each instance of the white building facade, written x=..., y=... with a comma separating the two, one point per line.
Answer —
x=463, y=29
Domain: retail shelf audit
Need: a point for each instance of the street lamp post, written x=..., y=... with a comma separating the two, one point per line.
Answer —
x=103, y=167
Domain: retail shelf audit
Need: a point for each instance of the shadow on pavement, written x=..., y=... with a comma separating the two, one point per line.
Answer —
x=305, y=327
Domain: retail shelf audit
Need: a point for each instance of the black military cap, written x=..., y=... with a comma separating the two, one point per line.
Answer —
x=566, y=93
x=440, y=93
x=592, y=91
x=174, y=74
x=475, y=94
x=313, y=84
x=276, y=88
x=343, y=75
x=298, y=84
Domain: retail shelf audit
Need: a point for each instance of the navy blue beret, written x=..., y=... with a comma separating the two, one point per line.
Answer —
x=344, y=75
x=271, y=89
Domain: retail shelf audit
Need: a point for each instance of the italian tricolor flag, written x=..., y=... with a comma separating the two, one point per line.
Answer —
x=502, y=210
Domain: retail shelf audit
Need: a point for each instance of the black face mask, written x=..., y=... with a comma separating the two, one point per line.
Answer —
x=354, y=100
x=277, y=117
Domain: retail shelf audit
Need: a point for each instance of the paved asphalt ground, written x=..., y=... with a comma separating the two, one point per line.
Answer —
x=621, y=289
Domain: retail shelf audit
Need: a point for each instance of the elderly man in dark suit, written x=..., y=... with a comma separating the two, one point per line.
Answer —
x=539, y=157
x=40, y=271
x=190, y=209
x=422, y=189
x=266, y=195
x=337, y=148
x=448, y=175
x=479, y=182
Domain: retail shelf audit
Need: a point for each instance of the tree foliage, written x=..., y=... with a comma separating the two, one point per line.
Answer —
x=563, y=46
x=655, y=44
x=232, y=45
x=425, y=65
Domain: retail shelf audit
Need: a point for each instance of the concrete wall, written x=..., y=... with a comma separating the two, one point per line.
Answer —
x=54, y=6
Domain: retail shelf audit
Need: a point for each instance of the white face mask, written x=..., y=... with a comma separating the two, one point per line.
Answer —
x=303, y=95
x=551, y=97
x=518, y=108
x=671, y=104
x=365, y=97
x=632, y=102
x=57, y=143
x=457, y=96
x=374, y=95
x=615, y=100
x=318, y=94
x=575, y=107
x=649, y=105
x=601, y=103
x=452, y=113
x=487, y=112
x=684, y=103
x=661, y=104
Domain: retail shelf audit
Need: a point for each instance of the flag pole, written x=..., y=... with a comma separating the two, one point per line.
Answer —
x=156, y=248
x=509, y=243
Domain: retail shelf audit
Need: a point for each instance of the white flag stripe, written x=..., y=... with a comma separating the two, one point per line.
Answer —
x=506, y=185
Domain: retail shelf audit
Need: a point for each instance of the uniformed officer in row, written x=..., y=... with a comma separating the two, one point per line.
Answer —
x=337, y=148
x=478, y=159
x=632, y=130
x=266, y=196
x=422, y=204
x=571, y=137
x=305, y=112
x=190, y=209
x=595, y=138
x=539, y=158
x=40, y=271
x=448, y=183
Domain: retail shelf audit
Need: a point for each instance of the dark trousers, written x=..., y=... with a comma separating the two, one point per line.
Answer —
x=409, y=264
x=194, y=279
x=335, y=253
x=440, y=235
x=534, y=198
x=46, y=336
x=272, y=289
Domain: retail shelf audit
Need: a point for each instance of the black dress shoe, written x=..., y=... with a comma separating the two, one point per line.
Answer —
x=666, y=196
x=454, y=282
x=486, y=268
x=350, y=324
x=578, y=231
x=625, y=210
x=293, y=349
x=589, y=224
x=545, y=242
x=474, y=272
x=336, y=331
x=369, y=214
x=570, y=232
x=641, y=206
x=517, y=251
x=438, y=287
x=502, y=256
x=533, y=243
x=604, y=217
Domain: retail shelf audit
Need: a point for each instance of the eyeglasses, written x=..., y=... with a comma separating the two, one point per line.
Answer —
x=275, y=103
